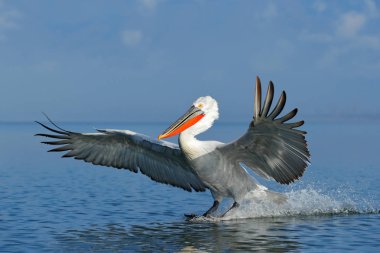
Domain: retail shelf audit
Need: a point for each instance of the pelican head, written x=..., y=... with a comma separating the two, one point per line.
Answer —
x=196, y=120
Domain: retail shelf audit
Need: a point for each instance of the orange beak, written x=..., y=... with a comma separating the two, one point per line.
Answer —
x=192, y=116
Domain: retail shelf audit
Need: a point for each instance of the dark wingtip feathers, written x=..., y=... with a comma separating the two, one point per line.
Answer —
x=288, y=116
x=295, y=125
x=257, y=109
x=51, y=129
x=62, y=135
x=263, y=111
x=268, y=99
x=47, y=117
x=53, y=136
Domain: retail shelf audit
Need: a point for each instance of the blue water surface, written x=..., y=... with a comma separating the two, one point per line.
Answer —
x=49, y=204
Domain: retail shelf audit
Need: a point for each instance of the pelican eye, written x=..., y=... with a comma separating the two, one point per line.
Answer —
x=200, y=106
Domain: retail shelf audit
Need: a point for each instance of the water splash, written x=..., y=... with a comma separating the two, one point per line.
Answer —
x=303, y=202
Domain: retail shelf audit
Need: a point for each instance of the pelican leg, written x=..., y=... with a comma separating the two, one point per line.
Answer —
x=235, y=205
x=212, y=209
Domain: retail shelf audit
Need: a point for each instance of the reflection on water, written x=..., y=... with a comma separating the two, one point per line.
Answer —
x=281, y=234
x=268, y=234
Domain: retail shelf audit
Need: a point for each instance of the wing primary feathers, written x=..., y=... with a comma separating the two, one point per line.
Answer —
x=268, y=99
x=62, y=148
x=288, y=116
x=51, y=129
x=53, y=136
x=296, y=124
x=258, y=98
x=55, y=124
x=55, y=142
x=279, y=106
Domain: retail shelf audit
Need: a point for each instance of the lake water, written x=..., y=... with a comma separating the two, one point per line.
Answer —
x=49, y=204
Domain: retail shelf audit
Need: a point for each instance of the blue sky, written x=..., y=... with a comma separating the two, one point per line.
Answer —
x=148, y=60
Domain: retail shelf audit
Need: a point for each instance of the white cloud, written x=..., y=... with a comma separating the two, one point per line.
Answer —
x=131, y=37
x=350, y=23
x=8, y=20
x=349, y=26
x=349, y=33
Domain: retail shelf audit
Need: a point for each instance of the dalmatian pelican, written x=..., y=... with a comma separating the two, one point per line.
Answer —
x=271, y=147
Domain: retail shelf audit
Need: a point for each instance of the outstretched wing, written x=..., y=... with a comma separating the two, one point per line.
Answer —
x=161, y=161
x=271, y=147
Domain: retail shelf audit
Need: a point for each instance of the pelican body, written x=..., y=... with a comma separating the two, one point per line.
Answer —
x=271, y=147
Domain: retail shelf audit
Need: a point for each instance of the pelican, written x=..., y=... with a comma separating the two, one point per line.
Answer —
x=271, y=147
